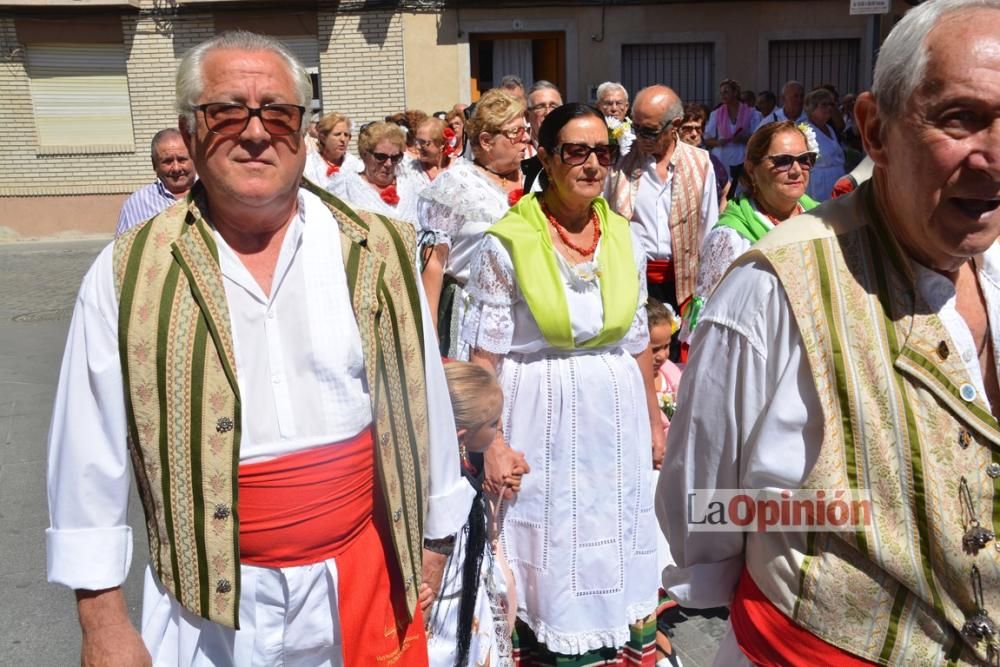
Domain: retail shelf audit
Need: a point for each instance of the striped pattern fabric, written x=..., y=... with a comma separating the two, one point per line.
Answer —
x=639, y=650
x=183, y=402
x=898, y=591
x=691, y=165
x=142, y=205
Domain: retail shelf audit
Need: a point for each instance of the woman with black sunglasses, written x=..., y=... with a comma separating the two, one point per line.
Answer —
x=776, y=173
x=557, y=289
x=382, y=147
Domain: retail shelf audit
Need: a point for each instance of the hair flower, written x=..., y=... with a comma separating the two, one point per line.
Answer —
x=450, y=142
x=617, y=129
x=389, y=195
x=810, y=135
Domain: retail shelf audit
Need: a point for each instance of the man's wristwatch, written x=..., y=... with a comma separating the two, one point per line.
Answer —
x=443, y=546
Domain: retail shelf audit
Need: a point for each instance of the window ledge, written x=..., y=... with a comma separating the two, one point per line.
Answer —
x=94, y=149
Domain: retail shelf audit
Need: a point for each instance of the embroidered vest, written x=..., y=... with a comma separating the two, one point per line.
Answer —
x=890, y=383
x=183, y=400
x=691, y=166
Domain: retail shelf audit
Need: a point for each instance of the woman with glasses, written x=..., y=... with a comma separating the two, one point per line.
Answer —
x=376, y=188
x=436, y=146
x=333, y=135
x=821, y=107
x=463, y=202
x=557, y=310
x=779, y=165
x=692, y=132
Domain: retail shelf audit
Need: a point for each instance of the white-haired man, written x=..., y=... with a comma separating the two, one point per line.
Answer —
x=268, y=353
x=793, y=97
x=175, y=175
x=543, y=97
x=612, y=100
x=848, y=366
x=667, y=189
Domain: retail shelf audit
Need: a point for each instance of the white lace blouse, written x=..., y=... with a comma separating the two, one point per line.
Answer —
x=356, y=191
x=499, y=320
x=457, y=208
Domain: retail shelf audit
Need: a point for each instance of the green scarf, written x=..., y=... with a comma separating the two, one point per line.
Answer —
x=741, y=217
x=524, y=232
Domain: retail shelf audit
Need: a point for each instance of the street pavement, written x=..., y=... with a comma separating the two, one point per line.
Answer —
x=38, y=285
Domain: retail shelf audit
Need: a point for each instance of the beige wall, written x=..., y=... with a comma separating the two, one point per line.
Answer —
x=24, y=218
x=433, y=55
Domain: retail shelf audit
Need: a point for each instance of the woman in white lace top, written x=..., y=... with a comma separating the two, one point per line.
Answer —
x=377, y=189
x=463, y=202
x=333, y=135
x=776, y=174
x=557, y=309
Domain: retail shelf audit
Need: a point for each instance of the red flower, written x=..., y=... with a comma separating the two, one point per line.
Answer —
x=331, y=169
x=450, y=142
x=389, y=195
x=514, y=196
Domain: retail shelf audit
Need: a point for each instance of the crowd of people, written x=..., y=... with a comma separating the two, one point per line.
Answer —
x=447, y=401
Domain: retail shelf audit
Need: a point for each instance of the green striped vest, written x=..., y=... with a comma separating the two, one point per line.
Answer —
x=183, y=399
x=888, y=378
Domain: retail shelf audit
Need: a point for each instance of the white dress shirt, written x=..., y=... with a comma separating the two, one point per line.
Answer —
x=302, y=385
x=651, y=211
x=748, y=417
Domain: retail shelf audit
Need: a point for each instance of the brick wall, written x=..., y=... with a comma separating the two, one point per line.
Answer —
x=361, y=64
x=153, y=46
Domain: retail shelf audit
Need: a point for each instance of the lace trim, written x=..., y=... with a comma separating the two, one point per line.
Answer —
x=459, y=194
x=579, y=643
x=721, y=248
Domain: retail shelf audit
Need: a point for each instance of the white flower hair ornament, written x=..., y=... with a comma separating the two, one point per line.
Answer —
x=811, y=144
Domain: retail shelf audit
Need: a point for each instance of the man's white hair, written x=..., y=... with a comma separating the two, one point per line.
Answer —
x=610, y=87
x=190, y=82
x=902, y=60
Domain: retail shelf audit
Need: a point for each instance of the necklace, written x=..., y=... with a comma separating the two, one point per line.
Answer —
x=505, y=182
x=564, y=234
x=774, y=220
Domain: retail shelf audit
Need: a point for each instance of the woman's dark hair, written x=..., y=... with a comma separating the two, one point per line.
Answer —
x=558, y=118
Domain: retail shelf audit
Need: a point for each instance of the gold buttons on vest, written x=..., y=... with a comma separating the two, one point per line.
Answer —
x=397, y=515
x=942, y=350
x=964, y=438
x=385, y=439
x=224, y=425
x=221, y=512
x=223, y=586
x=993, y=470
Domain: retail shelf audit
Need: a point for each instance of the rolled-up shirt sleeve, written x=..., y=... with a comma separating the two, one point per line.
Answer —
x=450, y=497
x=89, y=543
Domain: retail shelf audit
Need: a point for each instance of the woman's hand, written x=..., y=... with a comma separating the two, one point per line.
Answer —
x=504, y=469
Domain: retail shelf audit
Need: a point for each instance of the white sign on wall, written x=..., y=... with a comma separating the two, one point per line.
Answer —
x=870, y=6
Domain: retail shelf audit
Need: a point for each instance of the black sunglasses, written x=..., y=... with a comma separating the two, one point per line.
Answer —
x=783, y=161
x=382, y=157
x=577, y=154
x=650, y=133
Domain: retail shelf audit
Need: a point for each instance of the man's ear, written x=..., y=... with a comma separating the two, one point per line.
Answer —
x=870, y=127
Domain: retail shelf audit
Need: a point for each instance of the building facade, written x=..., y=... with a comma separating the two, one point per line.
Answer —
x=86, y=83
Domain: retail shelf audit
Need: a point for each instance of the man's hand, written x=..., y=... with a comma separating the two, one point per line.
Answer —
x=430, y=585
x=504, y=469
x=659, y=448
x=109, y=640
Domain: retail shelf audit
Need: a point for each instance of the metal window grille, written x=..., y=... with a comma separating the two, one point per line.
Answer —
x=688, y=68
x=815, y=62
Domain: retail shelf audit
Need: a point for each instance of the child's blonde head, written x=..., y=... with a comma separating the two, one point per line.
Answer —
x=476, y=398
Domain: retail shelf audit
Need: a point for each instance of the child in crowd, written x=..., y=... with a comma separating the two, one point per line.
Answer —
x=663, y=326
x=471, y=621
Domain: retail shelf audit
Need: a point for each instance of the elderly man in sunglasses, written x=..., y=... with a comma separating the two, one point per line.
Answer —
x=842, y=389
x=263, y=355
x=667, y=189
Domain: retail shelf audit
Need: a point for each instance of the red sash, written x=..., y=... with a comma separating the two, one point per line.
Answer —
x=769, y=638
x=322, y=503
x=659, y=271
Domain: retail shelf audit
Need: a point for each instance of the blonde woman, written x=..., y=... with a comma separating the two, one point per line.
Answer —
x=462, y=203
x=436, y=146
x=376, y=188
x=333, y=136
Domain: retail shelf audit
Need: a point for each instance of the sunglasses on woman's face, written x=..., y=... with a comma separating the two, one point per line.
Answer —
x=382, y=157
x=783, y=161
x=576, y=154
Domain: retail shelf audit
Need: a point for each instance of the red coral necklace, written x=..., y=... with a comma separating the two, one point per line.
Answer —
x=564, y=234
